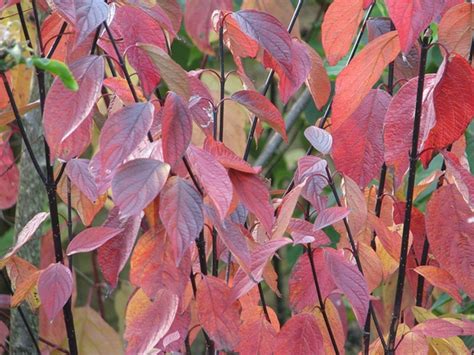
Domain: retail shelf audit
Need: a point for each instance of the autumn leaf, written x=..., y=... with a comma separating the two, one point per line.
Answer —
x=54, y=288
x=90, y=239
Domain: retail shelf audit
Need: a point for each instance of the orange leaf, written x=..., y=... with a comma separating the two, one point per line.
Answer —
x=455, y=29
x=356, y=80
x=440, y=278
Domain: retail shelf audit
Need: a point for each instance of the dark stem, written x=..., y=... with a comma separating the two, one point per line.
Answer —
x=264, y=304
x=57, y=40
x=322, y=306
x=69, y=218
x=267, y=84
x=215, y=258
x=222, y=82
x=409, y=200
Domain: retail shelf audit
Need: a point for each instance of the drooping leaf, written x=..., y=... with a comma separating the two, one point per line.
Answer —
x=285, y=211
x=90, y=239
x=89, y=14
x=268, y=32
x=213, y=177
x=54, y=288
x=339, y=27
x=148, y=321
x=181, y=213
x=319, y=138
x=27, y=232
x=330, y=216
x=453, y=100
x=113, y=255
x=349, y=279
x=175, y=76
x=254, y=194
x=454, y=31
x=65, y=110
x=262, y=107
x=447, y=214
x=463, y=178
x=411, y=18
x=355, y=201
x=356, y=80
x=358, y=149
x=440, y=278
x=300, y=335
x=136, y=183
x=78, y=172
x=197, y=20
x=302, y=291
x=218, y=313
x=120, y=136
x=176, y=128
x=318, y=82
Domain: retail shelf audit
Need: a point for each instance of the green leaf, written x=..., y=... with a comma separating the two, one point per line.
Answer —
x=57, y=68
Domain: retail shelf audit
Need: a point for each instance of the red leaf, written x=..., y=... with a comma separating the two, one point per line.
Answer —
x=455, y=28
x=330, y=216
x=413, y=343
x=263, y=108
x=136, y=183
x=302, y=232
x=177, y=128
x=269, y=33
x=363, y=131
x=119, y=87
x=175, y=76
x=197, y=20
x=146, y=321
x=447, y=214
x=133, y=25
x=27, y=232
x=90, y=239
x=9, y=177
x=412, y=17
x=65, y=110
x=463, y=178
x=438, y=328
x=319, y=138
x=454, y=103
x=340, y=24
x=355, y=201
x=78, y=172
x=440, y=278
x=302, y=292
x=227, y=157
x=300, y=335
x=77, y=142
x=218, y=313
x=356, y=80
x=318, y=82
x=89, y=15
x=398, y=133
x=213, y=177
x=254, y=194
x=119, y=137
x=113, y=255
x=286, y=211
x=54, y=288
x=349, y=279
x=153, y=265
x=181, y=213
x=257, y=336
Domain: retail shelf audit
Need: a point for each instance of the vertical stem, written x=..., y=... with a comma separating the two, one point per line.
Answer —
x=222, y=80
x=264, y=304
x=322, y=306
x=95, y=270
x=409, y=200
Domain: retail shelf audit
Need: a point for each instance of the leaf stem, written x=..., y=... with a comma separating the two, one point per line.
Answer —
x=409, y=199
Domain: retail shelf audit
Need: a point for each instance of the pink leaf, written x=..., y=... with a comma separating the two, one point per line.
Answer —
x=269, y=33
x=300, y=335
x=65, y=110
x=113, y=255
x=78, y=172
x=213, y=177
x=438, y=328
x=120, y=136
x=90, y=239
x=319, y=138
x=54, y=288
x=303, y=232
x=330, y=216
x=463, y=178
x=89, y=15
x=181, y=214
x=136, y=183
x=254, y=194
x=9, y=177
x=263, y=108
x=363, y=132
x=176, y=128
x=349, y=279
x=27, y=232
